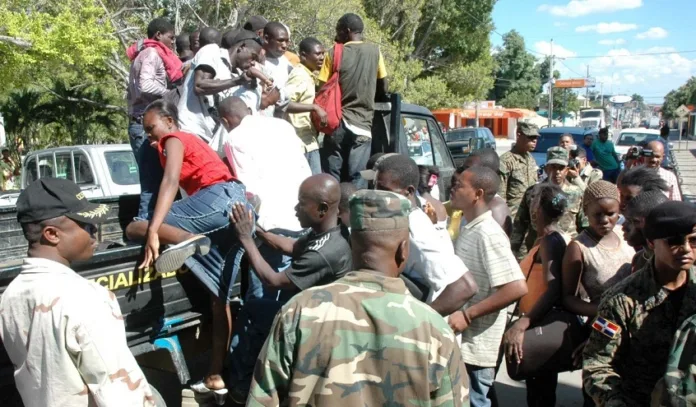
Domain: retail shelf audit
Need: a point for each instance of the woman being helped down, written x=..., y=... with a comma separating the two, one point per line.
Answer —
x=196, y=226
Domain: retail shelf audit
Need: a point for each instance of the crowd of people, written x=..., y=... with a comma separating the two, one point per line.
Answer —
x=364, y=288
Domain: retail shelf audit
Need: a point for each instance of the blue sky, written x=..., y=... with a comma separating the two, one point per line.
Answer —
x=616, y=30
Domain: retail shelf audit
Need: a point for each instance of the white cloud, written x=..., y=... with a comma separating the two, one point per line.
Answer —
x=544, y=47
x=654, y=33
x=618, y=41
x=559, y=24
x=630, y=72
x=607, y=28
x=577, y=8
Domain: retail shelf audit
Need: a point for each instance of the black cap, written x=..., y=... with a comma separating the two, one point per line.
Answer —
x=50, y=198
x=255, y=23
x=669, y=219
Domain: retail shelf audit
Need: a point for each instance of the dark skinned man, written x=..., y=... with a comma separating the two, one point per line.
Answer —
x=431, y=261
x=301, y=89
x=363, y=78
x=362, y=340
x=210, y=82
x=654, y=161
x=518, y=169
x=318, y=258
x=485, y=250
x=275, y=43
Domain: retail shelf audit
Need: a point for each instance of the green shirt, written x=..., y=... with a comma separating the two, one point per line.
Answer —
x=605, y=155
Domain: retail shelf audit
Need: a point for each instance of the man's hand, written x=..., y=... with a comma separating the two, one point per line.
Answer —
x=243, y=221
x=459, y=321
x=151, y=249
x=269, y=98
x=573, y=173
x=254, y=72
x=323, y=117
x=429, y=210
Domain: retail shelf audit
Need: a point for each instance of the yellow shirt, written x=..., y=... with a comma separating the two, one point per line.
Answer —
x=327, y=67
x=300, y=88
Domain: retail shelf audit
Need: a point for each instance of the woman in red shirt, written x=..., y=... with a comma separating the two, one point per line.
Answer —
x=195, y=226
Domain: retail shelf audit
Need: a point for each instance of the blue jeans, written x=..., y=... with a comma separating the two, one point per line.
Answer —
x=611, y=175
x=344, y=154
x=149, y=169
x=278, y=262
x=207, y=212
x=314, y=160
x=251, y=328
x=480, y=382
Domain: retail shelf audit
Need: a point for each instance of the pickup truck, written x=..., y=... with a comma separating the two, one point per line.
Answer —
x=105, y=173
x=168, y=314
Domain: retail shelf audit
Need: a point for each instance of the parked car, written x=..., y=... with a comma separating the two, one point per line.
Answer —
x=634, y=137
x=550, y=137
x=461, y=142
x=421, y=152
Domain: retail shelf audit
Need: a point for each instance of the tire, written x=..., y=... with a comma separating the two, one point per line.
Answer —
x=157, y=397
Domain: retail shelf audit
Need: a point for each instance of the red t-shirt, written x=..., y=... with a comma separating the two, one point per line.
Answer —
x=201, y=168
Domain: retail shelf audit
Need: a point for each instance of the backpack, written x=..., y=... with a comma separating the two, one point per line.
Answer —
x=329, y=97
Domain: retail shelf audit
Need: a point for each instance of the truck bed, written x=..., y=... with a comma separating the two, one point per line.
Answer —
x=122, y=210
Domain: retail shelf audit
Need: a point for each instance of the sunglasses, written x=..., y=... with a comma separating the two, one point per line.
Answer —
x=87, y=227
x=677, y=241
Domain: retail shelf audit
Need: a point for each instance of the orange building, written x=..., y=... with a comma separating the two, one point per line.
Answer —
x=502, y=122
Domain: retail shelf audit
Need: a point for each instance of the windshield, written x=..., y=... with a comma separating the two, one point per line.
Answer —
x=632, y=139
x=460, y=135
x=548, y=140
x=589, y=123
x=590, y=113
x=122, y=167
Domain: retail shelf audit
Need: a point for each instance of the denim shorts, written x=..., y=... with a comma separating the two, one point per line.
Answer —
x=207, y=213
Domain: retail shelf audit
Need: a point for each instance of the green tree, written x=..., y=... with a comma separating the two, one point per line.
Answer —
x=516, y=74
x=684, y=95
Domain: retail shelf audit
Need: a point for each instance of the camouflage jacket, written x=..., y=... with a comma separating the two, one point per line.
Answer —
x=517, y=173
x=587, y=177
x=360, y=341
x=524, y=232
x=631, y=337
x=678, y=387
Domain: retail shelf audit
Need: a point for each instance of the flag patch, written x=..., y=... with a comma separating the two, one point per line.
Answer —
x=606, y=327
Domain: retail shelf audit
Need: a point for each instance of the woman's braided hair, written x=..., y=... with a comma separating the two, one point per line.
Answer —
x=599, y=190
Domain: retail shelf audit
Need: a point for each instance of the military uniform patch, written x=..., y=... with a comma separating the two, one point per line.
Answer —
x=606, y=327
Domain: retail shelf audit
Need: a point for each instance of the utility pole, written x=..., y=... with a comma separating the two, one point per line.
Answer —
x=587, y=88
x=551, y=87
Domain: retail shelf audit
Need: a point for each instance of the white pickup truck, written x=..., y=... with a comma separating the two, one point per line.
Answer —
x=105, y=173
x=101, y=171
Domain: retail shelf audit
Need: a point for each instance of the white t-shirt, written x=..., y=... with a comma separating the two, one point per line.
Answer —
x=485, y=249
x=268, y=157
x=431, y=258
x=278, y=69
x=194, y=116
x=250, y=96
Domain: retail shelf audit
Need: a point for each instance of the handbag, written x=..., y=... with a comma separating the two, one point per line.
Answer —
x=329, y=97
x=549, y=343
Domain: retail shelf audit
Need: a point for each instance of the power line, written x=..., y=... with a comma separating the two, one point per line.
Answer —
x=569, y=68
x=632, y=55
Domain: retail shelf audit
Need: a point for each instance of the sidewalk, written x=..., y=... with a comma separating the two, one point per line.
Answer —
x=685, y=156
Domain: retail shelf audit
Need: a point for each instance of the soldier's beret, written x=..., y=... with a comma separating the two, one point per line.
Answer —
x=669, y=219
x=372, y=210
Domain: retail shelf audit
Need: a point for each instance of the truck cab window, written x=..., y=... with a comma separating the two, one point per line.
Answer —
x=83, y=171
x=64, y=168
x=46, y=166
x=418, y=140
x=31, y=175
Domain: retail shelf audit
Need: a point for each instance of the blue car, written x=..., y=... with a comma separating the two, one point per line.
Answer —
x=550, y=137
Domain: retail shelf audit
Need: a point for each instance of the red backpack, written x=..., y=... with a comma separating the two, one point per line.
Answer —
x=329, y=97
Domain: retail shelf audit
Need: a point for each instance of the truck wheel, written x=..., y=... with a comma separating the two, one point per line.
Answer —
x=157, y=397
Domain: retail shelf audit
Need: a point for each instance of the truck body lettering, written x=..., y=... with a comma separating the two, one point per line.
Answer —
x=131, y=278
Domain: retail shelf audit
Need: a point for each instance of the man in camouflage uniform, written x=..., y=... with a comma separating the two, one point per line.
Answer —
x=631, y=336
x=573, y=220
x=363, y=340
x=518, y=170
x=581, y=172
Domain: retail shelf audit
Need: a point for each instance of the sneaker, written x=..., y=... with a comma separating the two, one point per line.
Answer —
x=174, y=257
